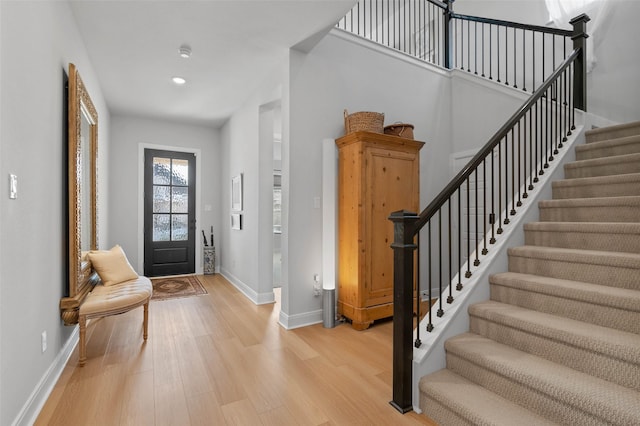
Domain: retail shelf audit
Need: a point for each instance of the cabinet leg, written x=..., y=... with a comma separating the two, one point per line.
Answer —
x=359, y=326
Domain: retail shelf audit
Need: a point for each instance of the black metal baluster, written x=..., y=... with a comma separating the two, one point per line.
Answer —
x=519, y=203
x=450, y=297
x=484, y=206
x=418, y=342
x=537, y=141
x=483, y=51
x=547, y=149
x=513, y=172
x=531, y=142
x=475, y=49
x=515, y=57
x=524, y=61
x=492, y=216
x=490, y=52
x=506, y=55
x=440, y=311
x=499, y=231
x=476, y=262
x=468, y=46
x=533, y=59
x=506, y=180
x=468, y=273
x=430, y=323
x=498, y=47
x=459, y=285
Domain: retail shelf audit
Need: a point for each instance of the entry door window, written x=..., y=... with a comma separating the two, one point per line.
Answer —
x=170, y=199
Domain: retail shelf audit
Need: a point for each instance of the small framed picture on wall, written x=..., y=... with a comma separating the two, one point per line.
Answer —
x=236, y=193
x=236, y=221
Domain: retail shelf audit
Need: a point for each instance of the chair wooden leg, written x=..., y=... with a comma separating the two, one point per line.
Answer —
x=82, y=321
x=145, y=325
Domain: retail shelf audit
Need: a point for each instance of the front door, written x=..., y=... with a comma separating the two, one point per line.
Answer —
x=169, y=213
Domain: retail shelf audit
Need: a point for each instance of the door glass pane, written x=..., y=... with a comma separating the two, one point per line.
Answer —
x=180, y=172
x=179, y=227
x=161, y=171
x=161, y=199
x=179, y=199
x=161, y=227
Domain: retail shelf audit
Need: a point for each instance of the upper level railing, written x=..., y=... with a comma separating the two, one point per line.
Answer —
x=459, y=226
x=514, y=54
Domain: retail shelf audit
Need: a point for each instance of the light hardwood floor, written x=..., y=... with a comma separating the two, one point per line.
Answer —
x=218, y=359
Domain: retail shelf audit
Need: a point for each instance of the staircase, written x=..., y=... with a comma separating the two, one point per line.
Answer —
x=559, y=341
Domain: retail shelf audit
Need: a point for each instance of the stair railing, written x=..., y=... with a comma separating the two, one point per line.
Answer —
x=459, y=226
x=510, y=53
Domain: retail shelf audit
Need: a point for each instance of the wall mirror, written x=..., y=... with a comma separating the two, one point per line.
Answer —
x=82, y=186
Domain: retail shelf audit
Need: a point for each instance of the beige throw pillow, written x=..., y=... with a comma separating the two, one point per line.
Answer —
x=112, y=266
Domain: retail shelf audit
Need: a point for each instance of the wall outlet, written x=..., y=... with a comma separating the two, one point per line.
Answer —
x=44, y=341
x=317, y=288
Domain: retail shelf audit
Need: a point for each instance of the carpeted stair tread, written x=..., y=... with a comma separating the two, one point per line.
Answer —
x=606, y=236
x=453, y=400
x=612, y=132
x=598, y=267
x=599, y=186
x=603, y=295
x=614, y=165
x=607, y=148
x=607, y=353
x=557, y=392
x=600, y=209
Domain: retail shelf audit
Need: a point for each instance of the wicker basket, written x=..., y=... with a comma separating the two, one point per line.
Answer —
x=399, y=129
x=363, y=121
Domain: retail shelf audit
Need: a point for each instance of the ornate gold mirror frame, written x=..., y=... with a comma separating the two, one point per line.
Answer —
x=83, y=192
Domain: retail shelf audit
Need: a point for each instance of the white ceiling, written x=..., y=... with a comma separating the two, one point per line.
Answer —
x=133, y=46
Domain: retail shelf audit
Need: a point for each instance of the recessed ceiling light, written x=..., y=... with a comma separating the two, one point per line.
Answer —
x=179, y=80
x=185, y=51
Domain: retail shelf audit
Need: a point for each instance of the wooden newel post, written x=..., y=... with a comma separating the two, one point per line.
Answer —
x=403, y=247
x=579, y=38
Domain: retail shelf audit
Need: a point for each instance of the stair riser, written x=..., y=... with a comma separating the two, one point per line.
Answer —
x=590, y=214
x=601, y=274
x=537, y=401
x=591, y=313
x=613, y=168
x=608, y=151
x=624, y=243
x=593, y=191
x=599, y=365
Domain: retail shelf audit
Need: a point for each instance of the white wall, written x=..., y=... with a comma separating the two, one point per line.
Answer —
x=337, y=74
x=38, y=40
x=241, y=149
x=129, y=135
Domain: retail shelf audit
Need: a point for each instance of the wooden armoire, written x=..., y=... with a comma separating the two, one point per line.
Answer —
x=377, y=175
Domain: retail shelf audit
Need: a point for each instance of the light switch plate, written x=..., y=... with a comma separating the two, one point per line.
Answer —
x=13, y=186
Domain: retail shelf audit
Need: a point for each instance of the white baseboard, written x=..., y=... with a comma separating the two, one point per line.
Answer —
x=289, y=322
x=31, y=409
x=254, y=296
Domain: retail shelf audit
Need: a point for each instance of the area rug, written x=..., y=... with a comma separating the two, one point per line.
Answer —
x=175, y=287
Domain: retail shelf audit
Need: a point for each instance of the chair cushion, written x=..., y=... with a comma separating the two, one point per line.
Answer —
x=106, y=300
x=112, y=265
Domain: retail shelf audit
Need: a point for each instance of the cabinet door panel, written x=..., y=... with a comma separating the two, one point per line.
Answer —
x=392, y=184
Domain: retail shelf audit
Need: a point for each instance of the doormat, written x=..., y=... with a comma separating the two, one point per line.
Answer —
x=176, y=287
